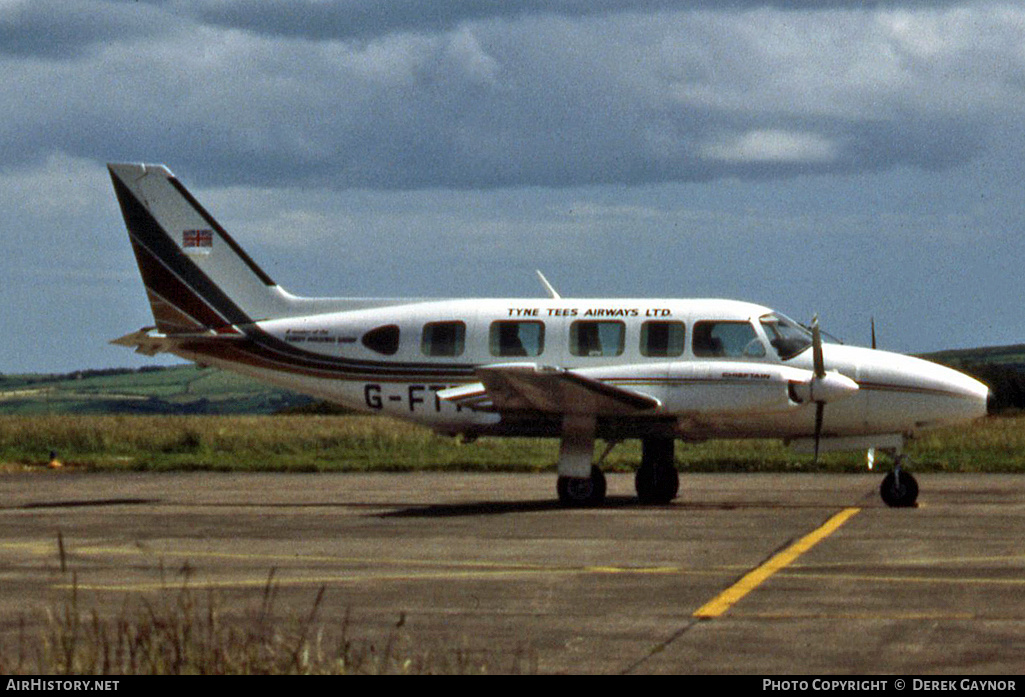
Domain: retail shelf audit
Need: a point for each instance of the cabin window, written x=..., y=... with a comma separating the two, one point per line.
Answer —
x=511, y=338
x=727, y=340
x=443, y=339
x=662, y=339
x=384, y=340
x=604, y=338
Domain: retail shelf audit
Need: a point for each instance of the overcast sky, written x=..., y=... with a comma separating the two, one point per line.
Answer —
x=843, y=158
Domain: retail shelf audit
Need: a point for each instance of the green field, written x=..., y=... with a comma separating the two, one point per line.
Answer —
x=360, y=443
x=185, y=389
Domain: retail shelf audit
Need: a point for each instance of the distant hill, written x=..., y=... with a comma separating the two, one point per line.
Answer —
x=185, y=389
x=1000, y=367
x=1006, y=355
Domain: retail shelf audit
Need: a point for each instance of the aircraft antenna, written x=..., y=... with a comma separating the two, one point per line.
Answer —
x=552, y=293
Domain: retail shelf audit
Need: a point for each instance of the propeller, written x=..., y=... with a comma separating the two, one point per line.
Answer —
x=820, y=374
x=870, y=456
x=824, y=386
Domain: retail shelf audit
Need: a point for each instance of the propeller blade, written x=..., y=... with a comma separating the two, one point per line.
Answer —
x=816, y=342
x=820, y=412
x=820, y=373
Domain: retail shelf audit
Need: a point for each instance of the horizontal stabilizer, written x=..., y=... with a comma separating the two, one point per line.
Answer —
x=149, y=342
x=529, y=387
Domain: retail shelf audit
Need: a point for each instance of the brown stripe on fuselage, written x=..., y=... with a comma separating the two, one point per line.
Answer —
x=254, y=352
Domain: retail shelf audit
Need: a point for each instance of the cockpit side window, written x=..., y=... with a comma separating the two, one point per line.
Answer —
x=786, y=336
x=726, y=339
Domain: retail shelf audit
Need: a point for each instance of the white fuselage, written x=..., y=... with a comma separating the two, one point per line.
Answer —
x=396, y=359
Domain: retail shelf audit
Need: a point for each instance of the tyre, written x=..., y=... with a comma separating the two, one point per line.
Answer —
x=579, y=492
x=899, y=495
x=657, y=485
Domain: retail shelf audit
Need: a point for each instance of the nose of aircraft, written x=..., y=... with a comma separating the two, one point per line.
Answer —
x=925, y=394
x=972, y=394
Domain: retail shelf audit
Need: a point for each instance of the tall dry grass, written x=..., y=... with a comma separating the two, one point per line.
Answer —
x=190, y=632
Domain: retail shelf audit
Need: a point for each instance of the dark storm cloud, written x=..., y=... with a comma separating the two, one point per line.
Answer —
x=57, y=29
x=351, y=19
x=574, y=93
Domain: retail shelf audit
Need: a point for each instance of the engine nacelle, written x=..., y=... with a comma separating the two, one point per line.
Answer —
x=831, y=387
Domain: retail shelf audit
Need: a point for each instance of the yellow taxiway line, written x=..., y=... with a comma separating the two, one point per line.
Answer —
x=732, y=595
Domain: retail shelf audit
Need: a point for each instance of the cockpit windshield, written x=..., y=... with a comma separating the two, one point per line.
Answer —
x=786, y=336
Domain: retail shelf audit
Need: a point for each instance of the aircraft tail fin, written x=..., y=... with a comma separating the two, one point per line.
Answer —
x=197, y=277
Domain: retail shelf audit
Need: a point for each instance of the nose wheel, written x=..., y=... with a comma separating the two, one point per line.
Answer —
x=899, y=489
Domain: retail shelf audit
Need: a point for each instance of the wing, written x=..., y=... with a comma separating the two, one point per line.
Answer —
x=529, y=387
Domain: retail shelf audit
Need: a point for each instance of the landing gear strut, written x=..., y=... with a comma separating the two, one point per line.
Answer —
x=580, y=483
x=899, y=489
x=657, y=481
x=583, y=484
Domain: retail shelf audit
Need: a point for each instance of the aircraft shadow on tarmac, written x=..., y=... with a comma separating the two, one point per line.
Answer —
x=443, y=510
x=612, y=502
x=500, y=508
x=87, y=503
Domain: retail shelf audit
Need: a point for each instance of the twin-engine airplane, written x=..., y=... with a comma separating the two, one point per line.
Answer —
x=576, y=369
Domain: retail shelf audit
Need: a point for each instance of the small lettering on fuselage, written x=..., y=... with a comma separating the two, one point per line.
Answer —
x=315, y=336
x=590, y=312
x=747, y=376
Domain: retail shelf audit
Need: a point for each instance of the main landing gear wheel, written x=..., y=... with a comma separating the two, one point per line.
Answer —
x=657, y=484
x=657, y=480
x=580, y=492
x=899, y=489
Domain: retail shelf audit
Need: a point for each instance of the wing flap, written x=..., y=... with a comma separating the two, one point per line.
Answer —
x=529, y=387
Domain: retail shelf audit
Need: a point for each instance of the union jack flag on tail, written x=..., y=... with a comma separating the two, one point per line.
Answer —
x=198, y=239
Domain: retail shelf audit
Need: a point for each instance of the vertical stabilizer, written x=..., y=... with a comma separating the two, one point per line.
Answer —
x=197, y=277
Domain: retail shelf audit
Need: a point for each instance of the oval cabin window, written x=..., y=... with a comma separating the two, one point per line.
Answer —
x=384, y=340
